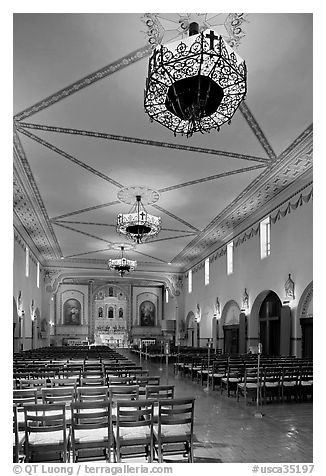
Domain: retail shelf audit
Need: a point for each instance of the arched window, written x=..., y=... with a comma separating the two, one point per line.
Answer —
x=111, y=316
x=120, y=313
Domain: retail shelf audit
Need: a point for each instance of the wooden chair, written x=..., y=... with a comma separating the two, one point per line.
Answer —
x=21, y=398
x=92, y=394
x=45, y=433
x=233, y=376
x=271, y=384
x=19, y=439
x=305, y=385
x=93, y=381
x=157, y=393
x=173, y=434
x=90, y=431
x=63, y=394
x=133, y=432
x=250, y=384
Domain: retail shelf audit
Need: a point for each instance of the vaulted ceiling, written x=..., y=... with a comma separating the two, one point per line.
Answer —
x=81, y=134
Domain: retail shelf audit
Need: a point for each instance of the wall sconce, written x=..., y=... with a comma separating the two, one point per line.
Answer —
x=51, y=323
x=197, y=315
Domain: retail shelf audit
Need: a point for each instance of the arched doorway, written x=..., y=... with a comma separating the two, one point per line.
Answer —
x=190, y=329
x=305, y=313
x=269, y=324
x=230, y=321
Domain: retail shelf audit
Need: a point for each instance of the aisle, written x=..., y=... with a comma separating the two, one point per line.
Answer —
x=227, y=431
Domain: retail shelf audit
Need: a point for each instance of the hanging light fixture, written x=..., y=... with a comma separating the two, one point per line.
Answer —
x=195, y=85
x=122, y=265
x=138, y=225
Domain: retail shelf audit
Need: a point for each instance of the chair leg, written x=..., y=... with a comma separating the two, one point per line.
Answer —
x=159, y=452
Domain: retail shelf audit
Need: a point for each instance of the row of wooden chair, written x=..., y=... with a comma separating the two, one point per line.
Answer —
x=94, y=430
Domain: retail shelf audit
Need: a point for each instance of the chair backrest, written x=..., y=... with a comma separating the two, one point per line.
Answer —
x=32, y=383
x=95, y=381
x=123, y=392
x=159, y=392
x=135, y=414
x=64, y=382
x=92, y=394
x=42, y=418
x=21, y=397
x=177, y=411
x=90, y=415
x=112, y=381
x=58, y=395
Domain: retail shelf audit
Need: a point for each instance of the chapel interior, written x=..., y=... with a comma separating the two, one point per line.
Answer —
x=163, y=238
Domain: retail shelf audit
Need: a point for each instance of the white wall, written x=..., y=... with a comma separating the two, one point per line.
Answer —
x=29, y=292
x=291, y=252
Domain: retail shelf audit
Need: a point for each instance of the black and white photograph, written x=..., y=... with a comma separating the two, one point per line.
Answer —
x=163, y=240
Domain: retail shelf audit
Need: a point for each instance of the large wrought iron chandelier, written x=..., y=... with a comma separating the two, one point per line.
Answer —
x=195, y=85
x=122, y=265
x=138, y=225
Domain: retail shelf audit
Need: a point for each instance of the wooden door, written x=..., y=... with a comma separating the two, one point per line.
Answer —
x=307, y=338
x=231, y=339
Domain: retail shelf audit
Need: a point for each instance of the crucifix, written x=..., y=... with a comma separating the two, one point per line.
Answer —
x=212, y=37
x=142, y=215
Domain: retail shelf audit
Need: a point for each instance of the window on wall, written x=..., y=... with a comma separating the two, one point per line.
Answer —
x=27, y=262
x=190, y=281
x=206, y=271
x=166, y=295
x=38, y=274
x=229, y=258
x=265, y=238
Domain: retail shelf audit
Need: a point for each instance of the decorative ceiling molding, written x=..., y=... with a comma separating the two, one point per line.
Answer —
x=82, y=222
x=289, y=166
x=149, y=256
x=256, y=129
x=292, y=206
x=172, y=237
x=137, y=140
x=92, y=78
x=88, y=209
x=64, y=154
x=29, y=206
x=86, y=253
x=211, y=177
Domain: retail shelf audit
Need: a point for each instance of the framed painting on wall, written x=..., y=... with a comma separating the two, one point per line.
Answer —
x=72, y=312
x=147, y=313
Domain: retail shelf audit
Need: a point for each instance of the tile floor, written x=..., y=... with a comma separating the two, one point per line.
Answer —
x=227, y=431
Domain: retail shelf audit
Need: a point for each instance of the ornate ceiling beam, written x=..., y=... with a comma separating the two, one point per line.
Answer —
x=88, y=209
x=175, y=217
x=256, y=129
x=81, y=232
x=211, y=177
x=92, y=78
x=136, y=140
x=64, y=154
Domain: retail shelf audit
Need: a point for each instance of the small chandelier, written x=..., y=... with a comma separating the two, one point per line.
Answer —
x=138, y=225
x=195, y=85
x=122, y=265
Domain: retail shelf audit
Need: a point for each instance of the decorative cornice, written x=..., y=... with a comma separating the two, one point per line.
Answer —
x=295, y=161
x=281, y=211
x=86, y=81
x=29, y=207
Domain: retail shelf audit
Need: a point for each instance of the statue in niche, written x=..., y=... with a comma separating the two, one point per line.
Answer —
x=217, y=307
x=72, y=312
x=289, y=289
x=100, y=312
x=110, y=316
x=110, y=292
x=245, y=300
x=147, y=313
x=120, y=313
